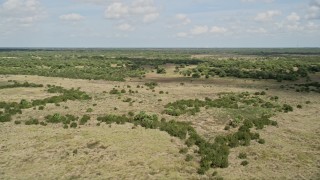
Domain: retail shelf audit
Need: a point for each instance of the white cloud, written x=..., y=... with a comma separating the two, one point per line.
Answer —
x=150, y=17
x=257, y=30
x=267, y=16
x=182, y=34
x=313, y=11
x=216, y=29
x=116, y=11
x=126, y=27
x=71, y=17
x=197, y=30
x=21, y=12
x=251, y=1
x=146, y=10
x=183, y=18
x=293, y=17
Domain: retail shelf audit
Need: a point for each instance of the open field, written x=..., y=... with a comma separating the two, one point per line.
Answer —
x=289, y=149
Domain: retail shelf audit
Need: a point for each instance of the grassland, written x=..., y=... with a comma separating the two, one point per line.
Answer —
x=96, y=150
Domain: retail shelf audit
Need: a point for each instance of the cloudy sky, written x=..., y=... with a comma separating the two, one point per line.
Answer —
x=159, y=23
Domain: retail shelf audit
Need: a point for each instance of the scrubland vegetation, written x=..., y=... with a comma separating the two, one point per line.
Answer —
x=213, y=107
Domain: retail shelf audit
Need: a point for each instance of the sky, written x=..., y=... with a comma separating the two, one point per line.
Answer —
x=160, y=23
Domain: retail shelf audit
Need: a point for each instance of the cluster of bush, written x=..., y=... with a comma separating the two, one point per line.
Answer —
x=17, y=84
x=68, y=66
x=212, y=154
x=306, y=87
x=13, y=108
x=284, y=69
x=231, y=100
x=151, y=85
x=67, y=120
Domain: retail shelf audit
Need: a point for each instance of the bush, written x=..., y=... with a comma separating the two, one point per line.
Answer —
x=299, y=106
x=261, y=141
x=41, y=108
x=89, y=110
x=242, y=156
x=114, y=91
x=214, y=173
x=244, y=163
x=73, y=125
x=84, y=119
x=189, y=157
x=32, y=122
x=17, y=122
x=183, y=150
x=130, y=113
x=287, y=108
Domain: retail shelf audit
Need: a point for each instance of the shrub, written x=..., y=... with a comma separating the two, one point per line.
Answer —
x=84, y=119
x=183, y=150
x=299, y=106
x=32, y=122
x=130, y=113
x=17, y=122
x=41, y=108
x=114, y=91
x=161, y=92
x=89, y=110
x=73, y=125
x=261, y=141
x=244, y=163
x=189, y=157
x=242, y=156
x=123, y=91
x=43, y=123
x=214, y=173
x=287, y=108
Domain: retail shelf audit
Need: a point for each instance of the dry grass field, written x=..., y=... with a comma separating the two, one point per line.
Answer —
x=291, y=151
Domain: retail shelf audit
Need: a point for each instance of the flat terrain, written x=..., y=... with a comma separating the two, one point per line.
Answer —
x=291, y=151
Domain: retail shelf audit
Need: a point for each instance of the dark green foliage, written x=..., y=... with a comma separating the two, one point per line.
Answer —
x=122, y=91
x=5, y=117
x=183, y=150
x=73, y=125
x=43, y=123
x=127, y=100
x=114, y=91
x=287, y=108
x=299, y=106
x=109, y=119
x=41, y=108
x=151, y=85
x=244, y=163
x=32, y=122
x=131, y=114
x=17, y=84
x=84, y=119
x=261, y=141
x=231, y=101
x=57, y=118
x=277, y=69
x=214, y=173
x=161, y=70
x=189, y=157
x=17, y=122
x=161, y=92
x=89, y=110
x=242, y=156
